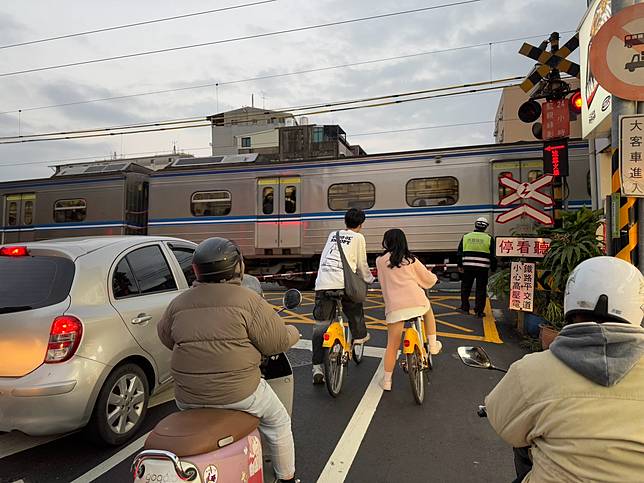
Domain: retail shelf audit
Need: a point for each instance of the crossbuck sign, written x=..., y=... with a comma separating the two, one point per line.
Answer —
x=523, y=192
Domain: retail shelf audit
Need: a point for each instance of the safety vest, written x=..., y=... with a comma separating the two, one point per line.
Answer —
x=476, y=250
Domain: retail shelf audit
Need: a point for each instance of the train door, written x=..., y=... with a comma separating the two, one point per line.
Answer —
x=278, y=210
x=525, y=171
x=136, y=207
x=20, y=211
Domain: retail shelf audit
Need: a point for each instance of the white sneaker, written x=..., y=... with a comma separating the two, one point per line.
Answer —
x=385, y=384
x=318, y=374
x=435, y=348
x=363, y=340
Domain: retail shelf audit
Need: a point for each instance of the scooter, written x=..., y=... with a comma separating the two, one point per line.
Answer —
x=478, y=358
x=211, y=445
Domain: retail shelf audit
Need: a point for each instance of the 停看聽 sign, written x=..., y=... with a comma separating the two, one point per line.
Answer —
x=508, y=246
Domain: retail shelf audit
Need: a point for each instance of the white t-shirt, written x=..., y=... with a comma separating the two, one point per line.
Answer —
x=330, y=274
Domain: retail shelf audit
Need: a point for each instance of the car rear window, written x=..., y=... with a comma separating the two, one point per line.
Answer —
x=33, y=282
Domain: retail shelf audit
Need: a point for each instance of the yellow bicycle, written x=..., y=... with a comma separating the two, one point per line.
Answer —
x=338, y=347
x=417, y=360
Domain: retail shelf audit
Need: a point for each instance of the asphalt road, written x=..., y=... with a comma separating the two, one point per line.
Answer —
x=364, y=435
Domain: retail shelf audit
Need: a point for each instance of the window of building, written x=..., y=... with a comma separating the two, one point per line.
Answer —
x=245, y=142
x=70, y=211
x=441, y=191
x=184, y=257
x=211, y=203
x=533, y=174
x=268, y=200
x=28, y=213
x=150, y=270
x=588, y=190
x=318, y=135
x=504, y=190
x=343, y=196
x=12, y=213
x=290, y=199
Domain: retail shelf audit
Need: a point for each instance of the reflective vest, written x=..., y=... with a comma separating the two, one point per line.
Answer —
x=476, y=250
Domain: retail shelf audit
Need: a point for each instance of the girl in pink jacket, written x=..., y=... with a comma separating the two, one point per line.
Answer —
x=403, y=279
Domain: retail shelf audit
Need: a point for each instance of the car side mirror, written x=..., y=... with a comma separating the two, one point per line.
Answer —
x=292, y=298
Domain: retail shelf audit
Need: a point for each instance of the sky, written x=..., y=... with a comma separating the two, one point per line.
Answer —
x=483, y=22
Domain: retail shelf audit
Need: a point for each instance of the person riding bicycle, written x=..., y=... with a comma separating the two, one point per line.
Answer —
x=403, y=279
x=331, y=277
x=580, y=405
x=218, y=332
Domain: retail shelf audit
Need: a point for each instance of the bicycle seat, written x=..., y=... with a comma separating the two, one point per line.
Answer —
x=200, y=431
x=334, y=294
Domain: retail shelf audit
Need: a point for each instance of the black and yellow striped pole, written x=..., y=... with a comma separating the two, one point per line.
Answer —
x=624, y=219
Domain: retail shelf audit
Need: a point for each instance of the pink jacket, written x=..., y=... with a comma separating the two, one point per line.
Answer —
x=402, y=287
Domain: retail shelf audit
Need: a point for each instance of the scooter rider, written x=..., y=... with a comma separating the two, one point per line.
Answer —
x=218, y=331
x=580, y=405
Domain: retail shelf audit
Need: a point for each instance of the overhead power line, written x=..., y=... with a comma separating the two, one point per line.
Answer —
x=274, y=76
x=244, y=118
x=135, y=24
x=237, y=39
x=320, y=111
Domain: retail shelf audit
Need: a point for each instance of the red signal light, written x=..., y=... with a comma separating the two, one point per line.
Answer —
x=14, y=251
x=576, y=102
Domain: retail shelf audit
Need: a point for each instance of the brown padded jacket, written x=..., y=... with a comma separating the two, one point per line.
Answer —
x=218, y=333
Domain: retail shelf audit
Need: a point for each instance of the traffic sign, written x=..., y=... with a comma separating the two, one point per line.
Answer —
x=631, y=151
x=555, y=157
x=549, y=61
x=509, y=246
x=555, y=119
x=617, y=54
x=526, y=191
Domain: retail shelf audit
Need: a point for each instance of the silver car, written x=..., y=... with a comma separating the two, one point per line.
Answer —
x=78, y=339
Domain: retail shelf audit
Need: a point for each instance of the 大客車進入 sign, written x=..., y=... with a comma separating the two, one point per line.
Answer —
x=631, y=149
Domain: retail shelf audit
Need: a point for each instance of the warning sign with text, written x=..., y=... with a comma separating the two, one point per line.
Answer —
x=522, y=286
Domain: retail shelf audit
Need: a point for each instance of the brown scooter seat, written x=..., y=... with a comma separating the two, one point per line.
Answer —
x=198, y=431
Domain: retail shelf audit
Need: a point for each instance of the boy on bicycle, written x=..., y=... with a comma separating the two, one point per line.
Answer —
x=331, y=277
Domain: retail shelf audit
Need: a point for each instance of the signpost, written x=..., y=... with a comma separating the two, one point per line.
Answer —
x=522, y=286
x=631, y=151
x=617, y=54
x=507, y=246
x=526, y=191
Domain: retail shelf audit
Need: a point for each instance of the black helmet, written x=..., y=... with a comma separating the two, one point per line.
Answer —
x=216, y=259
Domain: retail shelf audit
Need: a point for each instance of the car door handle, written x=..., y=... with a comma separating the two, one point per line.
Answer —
x=141, y=319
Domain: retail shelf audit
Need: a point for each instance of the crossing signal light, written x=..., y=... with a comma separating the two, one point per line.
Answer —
x=576, y=102
x=530, y=111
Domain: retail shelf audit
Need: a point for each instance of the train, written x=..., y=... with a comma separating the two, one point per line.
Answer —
x=280, y=213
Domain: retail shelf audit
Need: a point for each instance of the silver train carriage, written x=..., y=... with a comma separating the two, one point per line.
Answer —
x=280, y=214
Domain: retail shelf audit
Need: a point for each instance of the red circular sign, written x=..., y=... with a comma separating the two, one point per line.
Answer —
x=617, y=54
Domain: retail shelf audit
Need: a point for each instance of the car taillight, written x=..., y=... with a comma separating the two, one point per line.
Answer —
x=64, y=337
x=14, y=251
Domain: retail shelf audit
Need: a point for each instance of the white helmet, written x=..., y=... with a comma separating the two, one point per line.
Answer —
x=481, y=223
x=608, y=288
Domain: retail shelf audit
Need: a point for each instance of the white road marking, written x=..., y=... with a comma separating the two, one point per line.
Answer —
x=112, y=461
x=339, y=463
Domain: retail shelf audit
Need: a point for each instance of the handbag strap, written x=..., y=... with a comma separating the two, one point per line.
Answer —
x=342, y=256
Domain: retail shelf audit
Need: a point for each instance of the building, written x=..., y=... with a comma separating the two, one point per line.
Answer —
x=509, y=128
x=233, y=131
x=312, y=141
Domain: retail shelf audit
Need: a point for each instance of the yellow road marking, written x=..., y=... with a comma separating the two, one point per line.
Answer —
x=464, y=329
x=489, y=325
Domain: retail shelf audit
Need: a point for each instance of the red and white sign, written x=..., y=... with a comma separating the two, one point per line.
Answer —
x=507, y=246
x=617, y=54
x=522, y=286
x=526, y=191
x=555, y=119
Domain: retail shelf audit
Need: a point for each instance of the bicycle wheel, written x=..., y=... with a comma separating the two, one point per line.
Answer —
x=358, y=351
x=416, y=377
x=333, y=368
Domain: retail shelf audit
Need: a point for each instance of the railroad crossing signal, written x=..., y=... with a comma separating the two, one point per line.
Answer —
x=549, y=61
x=526, y=191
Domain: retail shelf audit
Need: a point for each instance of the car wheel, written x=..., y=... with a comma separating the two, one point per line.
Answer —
x=120, y=407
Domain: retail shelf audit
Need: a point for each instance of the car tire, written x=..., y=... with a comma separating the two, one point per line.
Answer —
x=128, y=413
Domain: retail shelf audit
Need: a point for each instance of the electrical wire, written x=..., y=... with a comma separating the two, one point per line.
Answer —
x=237, y=39
x=135, y=24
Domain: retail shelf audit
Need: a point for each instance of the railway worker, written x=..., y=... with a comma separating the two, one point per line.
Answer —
x=475, y=258
x=331, y=277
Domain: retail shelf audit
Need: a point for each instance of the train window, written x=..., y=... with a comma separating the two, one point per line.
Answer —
x=69, y=211
x=534, y=174
x=504, y=190
x=28, y=213
x=12, y=213
x=290, y=199
x=343, y=196
x=432, y=191
x=268, y=200
x=211, y=203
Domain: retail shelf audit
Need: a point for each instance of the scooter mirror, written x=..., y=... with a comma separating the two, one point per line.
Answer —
x=475, y=357
x=292, y=298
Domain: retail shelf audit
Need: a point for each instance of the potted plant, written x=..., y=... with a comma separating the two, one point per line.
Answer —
x=572, y=243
